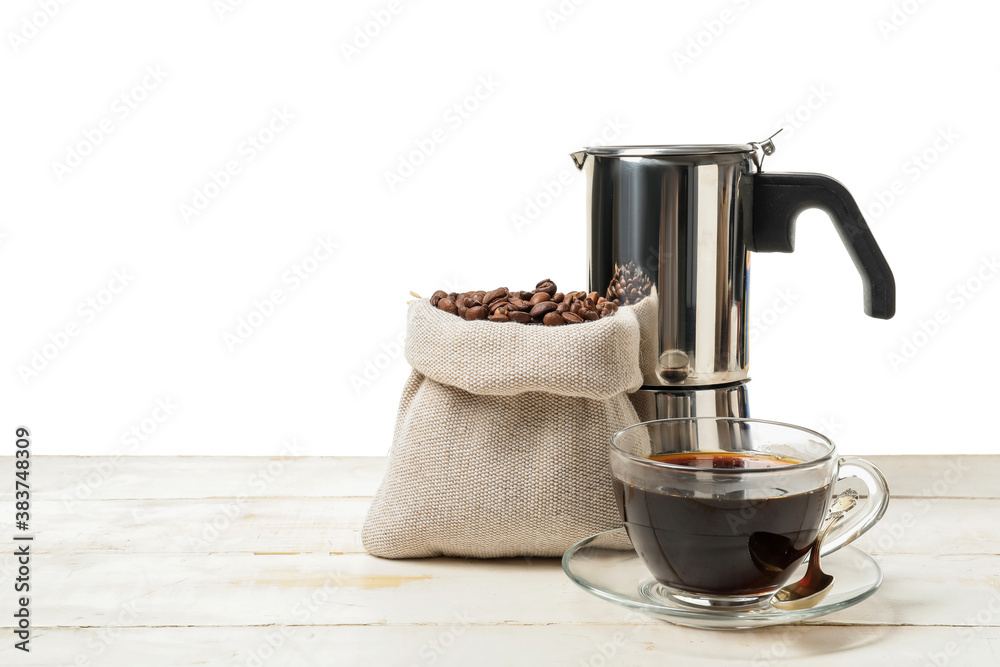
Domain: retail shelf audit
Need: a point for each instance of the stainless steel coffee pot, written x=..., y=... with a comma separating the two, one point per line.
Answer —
x=676, y=224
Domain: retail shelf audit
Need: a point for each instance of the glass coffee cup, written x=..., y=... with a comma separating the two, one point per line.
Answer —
x=723, y=510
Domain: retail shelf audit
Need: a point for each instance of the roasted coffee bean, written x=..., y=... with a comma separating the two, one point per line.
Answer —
x=543, y=307
x=553, y=319
x=493, y=295
x=629, y=284
x=546, y=286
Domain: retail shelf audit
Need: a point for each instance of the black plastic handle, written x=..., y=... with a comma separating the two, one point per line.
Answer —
x=777, y=201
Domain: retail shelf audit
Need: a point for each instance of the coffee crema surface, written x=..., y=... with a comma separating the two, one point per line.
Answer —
x=725, y=460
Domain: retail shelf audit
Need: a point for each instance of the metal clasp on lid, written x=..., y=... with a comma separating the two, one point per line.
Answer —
x=761, y=149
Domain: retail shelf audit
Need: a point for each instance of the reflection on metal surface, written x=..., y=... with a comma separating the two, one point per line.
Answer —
x=676, y=220
x=728, y=401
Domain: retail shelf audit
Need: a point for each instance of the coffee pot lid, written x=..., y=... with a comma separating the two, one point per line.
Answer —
x=681, y=149
x=758, y=149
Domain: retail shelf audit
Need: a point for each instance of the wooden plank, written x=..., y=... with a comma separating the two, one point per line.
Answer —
x=70, y=478
x=100, y=589
x=84, y=477
x=935, y=526
x=129, y=570
x=969, y=476
x=333, y=525
x=222, y=525
x=530, y=646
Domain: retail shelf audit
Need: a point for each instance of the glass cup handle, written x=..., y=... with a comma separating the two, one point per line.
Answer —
x=854, y=525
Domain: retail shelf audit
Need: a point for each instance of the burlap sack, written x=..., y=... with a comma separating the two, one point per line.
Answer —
x=501, y=440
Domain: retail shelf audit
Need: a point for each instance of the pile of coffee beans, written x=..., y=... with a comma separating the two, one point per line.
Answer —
x=628, y=285
x=543, y=305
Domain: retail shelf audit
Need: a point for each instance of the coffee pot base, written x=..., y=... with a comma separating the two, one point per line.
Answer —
x=728, y=400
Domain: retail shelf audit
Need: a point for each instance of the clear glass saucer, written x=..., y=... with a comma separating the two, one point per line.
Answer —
x=607, y=566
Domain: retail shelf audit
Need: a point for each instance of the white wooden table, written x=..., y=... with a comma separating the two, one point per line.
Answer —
x=251, y=561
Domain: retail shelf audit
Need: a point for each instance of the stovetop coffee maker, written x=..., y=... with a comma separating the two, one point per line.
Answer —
x=676, y=225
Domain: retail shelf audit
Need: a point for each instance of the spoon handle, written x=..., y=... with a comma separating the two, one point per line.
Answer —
x=814, y=554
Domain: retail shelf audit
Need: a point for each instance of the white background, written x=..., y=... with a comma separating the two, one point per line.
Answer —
x=859, y=97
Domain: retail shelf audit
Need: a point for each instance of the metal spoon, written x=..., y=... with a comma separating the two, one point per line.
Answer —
x=810, y=590
x=845, y=502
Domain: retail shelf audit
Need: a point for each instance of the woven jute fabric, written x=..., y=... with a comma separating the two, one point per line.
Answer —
x=594, y=360
x=501, y=440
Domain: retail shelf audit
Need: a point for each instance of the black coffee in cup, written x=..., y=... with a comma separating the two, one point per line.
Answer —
x=724, y=544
